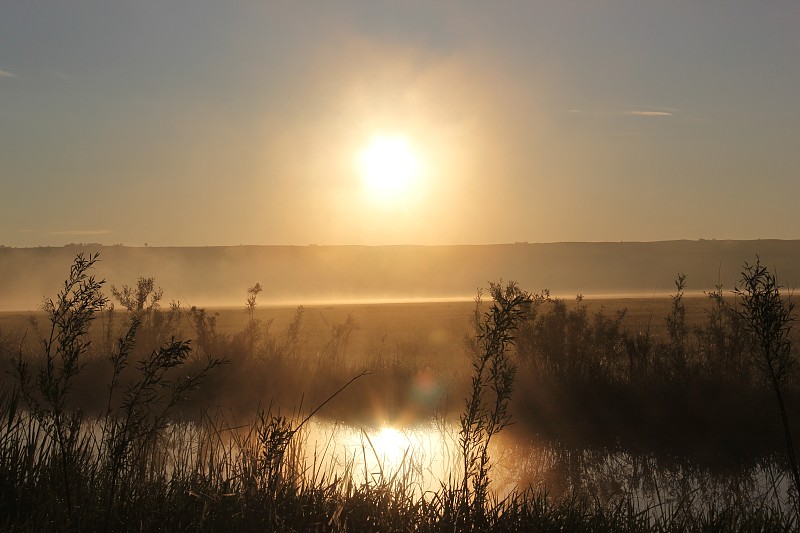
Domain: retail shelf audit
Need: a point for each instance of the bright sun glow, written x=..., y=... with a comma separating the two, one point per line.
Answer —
x=389, y=166
x=390, y=445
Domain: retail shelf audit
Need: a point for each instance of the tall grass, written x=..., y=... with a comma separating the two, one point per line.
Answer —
x=768, y=318
x=694, y=389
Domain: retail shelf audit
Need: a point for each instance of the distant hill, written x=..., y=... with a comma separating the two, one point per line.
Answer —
x=296, y=274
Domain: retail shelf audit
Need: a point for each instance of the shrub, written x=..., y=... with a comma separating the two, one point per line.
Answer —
x=486, y=410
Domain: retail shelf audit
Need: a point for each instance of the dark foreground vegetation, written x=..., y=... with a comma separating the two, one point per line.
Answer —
x=102, y=426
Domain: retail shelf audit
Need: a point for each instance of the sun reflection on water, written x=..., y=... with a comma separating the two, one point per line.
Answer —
x=419, y=460
x=389, y=446
x=421, y=456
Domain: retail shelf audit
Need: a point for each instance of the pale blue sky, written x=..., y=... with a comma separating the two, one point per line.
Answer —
x=216, y=123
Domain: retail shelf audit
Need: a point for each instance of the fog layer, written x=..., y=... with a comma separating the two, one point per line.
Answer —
x=208, y=276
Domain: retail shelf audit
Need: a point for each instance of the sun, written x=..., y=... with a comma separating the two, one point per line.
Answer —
x=390, y=167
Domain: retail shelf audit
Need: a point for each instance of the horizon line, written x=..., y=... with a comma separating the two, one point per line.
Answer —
x=409, y=245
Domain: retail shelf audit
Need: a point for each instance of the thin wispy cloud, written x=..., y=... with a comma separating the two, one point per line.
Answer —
x=7, y=74
x=62, y=76
x=650, y=113
x=642, y=111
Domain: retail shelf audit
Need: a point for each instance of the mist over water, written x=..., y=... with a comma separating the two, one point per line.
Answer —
x=291, y=275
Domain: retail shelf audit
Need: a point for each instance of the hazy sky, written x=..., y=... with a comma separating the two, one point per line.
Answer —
x=203, y=122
